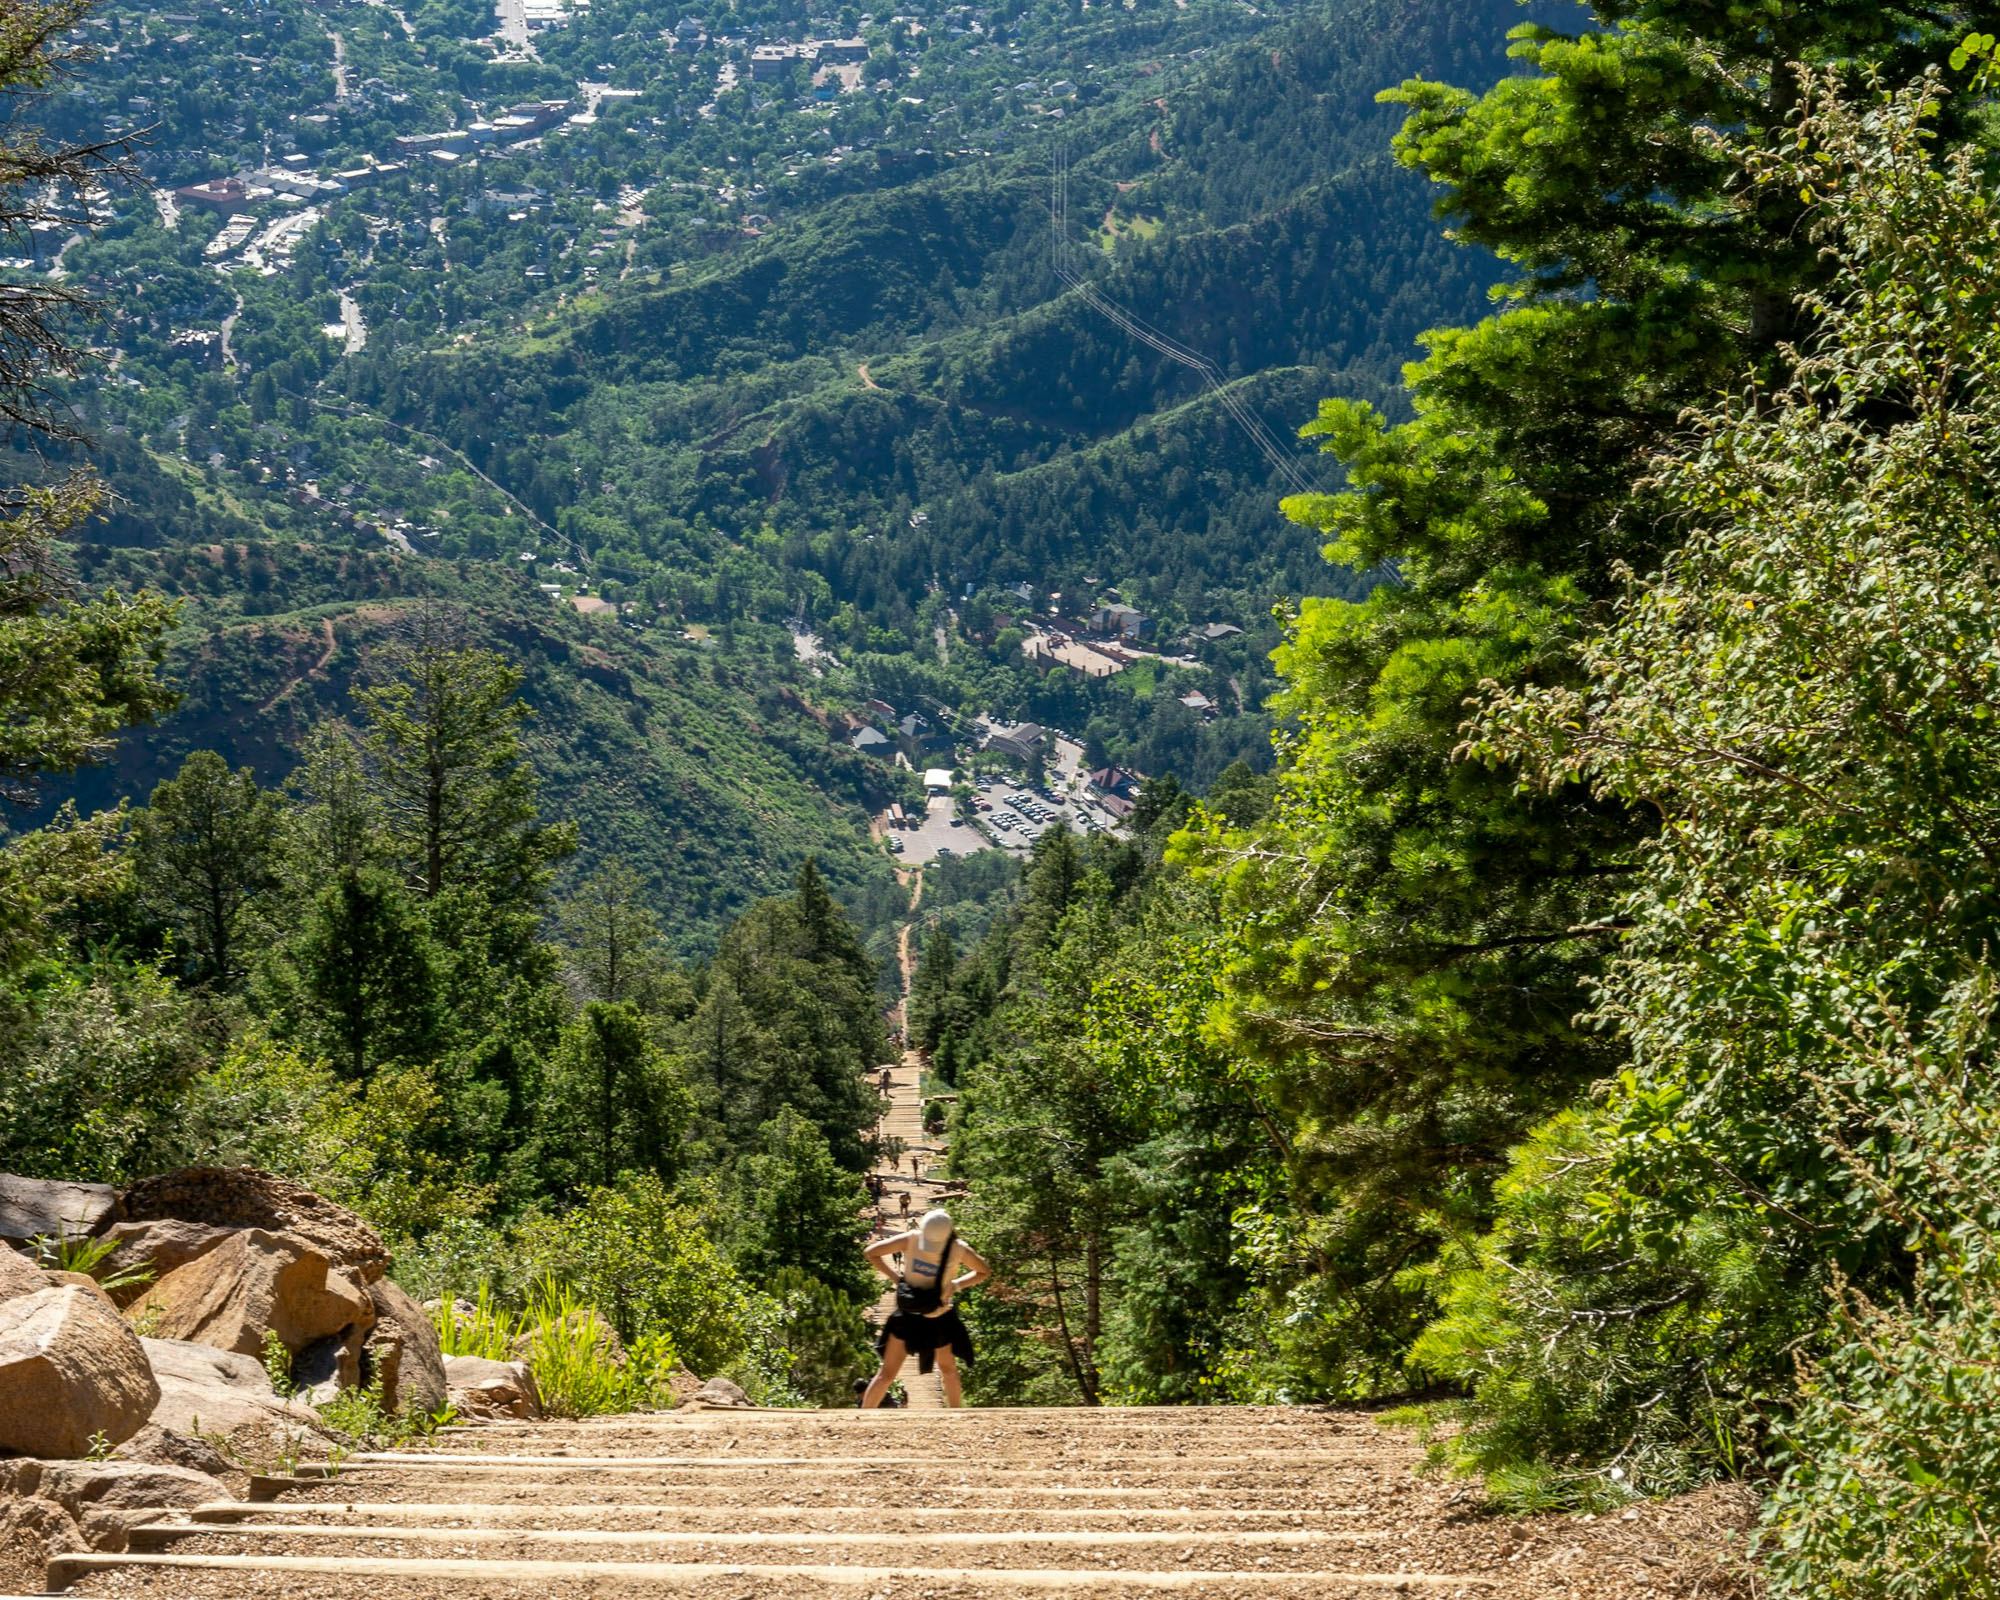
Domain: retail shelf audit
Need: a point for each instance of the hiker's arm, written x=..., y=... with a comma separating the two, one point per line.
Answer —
x=979, y=1274
x=878, y=1253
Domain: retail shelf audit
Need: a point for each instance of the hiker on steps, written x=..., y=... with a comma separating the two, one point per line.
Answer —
x=925, y=1323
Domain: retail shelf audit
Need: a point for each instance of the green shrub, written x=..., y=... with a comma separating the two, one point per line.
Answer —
x=643, y=1260
x=1893, y=1485
x=487, y=1331
x=824, y=1334
x=360, y=1414
x=278, y=1365
x=67, y=1254
x=579, y=1372
x=1600, y=1361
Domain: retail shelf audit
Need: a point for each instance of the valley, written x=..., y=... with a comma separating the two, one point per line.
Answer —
x=651, y=336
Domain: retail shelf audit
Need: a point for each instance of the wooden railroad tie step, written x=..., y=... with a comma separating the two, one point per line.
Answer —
x=487, y=1511
x=155, y=1535
x=68, y=1569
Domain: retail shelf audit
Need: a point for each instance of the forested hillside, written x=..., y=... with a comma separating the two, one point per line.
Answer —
x=765, y=357
x=1545, y=980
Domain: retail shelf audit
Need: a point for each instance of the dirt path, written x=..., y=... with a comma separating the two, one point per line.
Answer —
x=1235, y=1503
x=341, y=89
x=866, y=381
x=318, y=670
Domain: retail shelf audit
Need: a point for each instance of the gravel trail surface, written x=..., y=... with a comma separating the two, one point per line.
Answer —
x=968, y=1505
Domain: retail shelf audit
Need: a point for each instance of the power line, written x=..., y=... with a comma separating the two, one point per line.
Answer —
x=1284, y=461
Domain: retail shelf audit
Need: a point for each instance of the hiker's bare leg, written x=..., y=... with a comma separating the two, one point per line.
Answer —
x=947, y=1365
x=893, y=1356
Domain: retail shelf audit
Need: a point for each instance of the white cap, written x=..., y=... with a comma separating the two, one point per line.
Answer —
x=933, y=1230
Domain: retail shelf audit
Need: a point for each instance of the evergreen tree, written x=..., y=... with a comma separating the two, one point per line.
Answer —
x=930, y=989
x=800, y=1209
x=615, y=939
x=457, y=793
x=614, y=1104
x=357, y=980
x=792, y=983
x=1055, y=875
x=824, y=1333
x=201, y=851
x=334, y=821
x=74, y=672
x=1418, y=935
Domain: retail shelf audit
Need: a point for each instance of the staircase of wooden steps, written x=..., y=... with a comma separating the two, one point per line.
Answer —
x=760, y=1505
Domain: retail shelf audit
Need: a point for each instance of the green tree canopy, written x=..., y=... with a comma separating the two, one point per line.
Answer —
x=201, y=852
x=799, y=1209
x=457, y=793
x=1416, y=938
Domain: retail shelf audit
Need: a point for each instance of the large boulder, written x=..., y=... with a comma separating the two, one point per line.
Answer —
x=19, y=1275
x=162, y=1245
x=404, y=1348
x=34, y=1532
x=32, y=1208
x=243, y=1197
x=107, y=1499
x=69, y=1369
x=251, y=1284
x=483, y=1388
x=205, y=1392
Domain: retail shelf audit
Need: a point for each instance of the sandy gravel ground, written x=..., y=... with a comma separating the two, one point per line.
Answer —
x=973, y=1505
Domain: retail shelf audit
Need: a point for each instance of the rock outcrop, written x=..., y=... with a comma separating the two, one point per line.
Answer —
x=32, y=1532
x=32, y=1208
x=163, y=1447
x=163, y=1245
x=721, y=1392
x=106, y=1499
x=483, y=1388
x=243, y=1197
x=205, y=1391
x=405, y=1352
x=70, y=1369
x=251, y=1283
x=19, y=1275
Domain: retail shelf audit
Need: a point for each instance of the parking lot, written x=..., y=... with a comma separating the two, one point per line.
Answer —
x=937, y=833
x=1019, y=816
x=1013, y=818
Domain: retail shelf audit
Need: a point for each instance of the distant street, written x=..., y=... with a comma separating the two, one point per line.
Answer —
x=513, y=15
x=355, y=336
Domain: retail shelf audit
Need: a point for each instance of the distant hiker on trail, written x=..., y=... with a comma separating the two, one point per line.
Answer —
x=925, y=1323
x=906, y=1202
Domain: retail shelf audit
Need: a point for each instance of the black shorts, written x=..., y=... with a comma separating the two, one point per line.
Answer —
x=923, y=1337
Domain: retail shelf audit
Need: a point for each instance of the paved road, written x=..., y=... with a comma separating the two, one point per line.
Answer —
x=350, y=318
x=513, y=17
